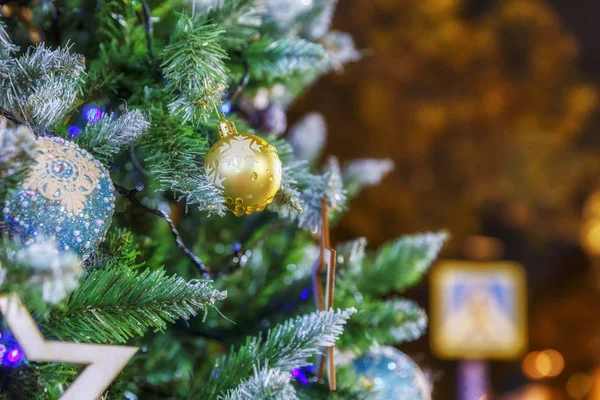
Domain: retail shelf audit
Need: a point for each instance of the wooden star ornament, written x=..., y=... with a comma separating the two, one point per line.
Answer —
x=104, y=361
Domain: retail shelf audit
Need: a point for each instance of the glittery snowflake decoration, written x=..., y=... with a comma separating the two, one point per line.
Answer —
x=63, y=173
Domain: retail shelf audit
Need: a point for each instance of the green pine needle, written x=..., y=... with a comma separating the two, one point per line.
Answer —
x=286, y=347
x=115, y=304
x=193, y=66
x=271, y=60
x=402, y=263
x=387, y=322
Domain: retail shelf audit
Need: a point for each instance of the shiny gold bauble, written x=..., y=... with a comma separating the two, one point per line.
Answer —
x=246, y=167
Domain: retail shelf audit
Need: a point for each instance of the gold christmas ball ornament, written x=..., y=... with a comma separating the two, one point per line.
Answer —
x=246, y=167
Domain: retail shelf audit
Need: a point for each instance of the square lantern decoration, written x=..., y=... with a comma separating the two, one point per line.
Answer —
x=478, y=310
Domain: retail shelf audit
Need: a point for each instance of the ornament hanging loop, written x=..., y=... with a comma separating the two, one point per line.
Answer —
x=226, y=127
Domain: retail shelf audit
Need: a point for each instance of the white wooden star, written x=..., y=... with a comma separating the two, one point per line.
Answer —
x=104, y=361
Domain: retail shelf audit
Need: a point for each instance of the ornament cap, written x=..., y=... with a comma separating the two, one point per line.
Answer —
x=226, y=128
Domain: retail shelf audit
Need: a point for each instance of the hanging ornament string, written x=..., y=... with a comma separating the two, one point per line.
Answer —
x=245, y=166
x=324, y=300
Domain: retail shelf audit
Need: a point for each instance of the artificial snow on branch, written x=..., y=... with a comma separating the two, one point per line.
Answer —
x=265, y=383
x=286, y=347
x=38, y=268
x=329, y=186
x=41, y=85
x=240, y=20
x=361, y=173
x=6, y=46
x=270, y=60
x=107, y=137
x=17, y=150
x=308, y=136
x=340, y=49
x=174, y=161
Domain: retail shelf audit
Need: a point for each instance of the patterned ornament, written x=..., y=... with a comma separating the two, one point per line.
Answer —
x=393, y=375
x=246, y=167
x=66, y=196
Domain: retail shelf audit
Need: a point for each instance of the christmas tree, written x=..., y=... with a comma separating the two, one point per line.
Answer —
x=140, y=143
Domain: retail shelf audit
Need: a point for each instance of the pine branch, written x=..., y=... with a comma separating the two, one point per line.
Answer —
x=118, y=250
x=115, y=304
x=107, y=137
x=287, y=346
x=271, y=60
x=401, y=264
x=38, y=272
x=6, y=46
x=45, y=381
x=266, y=383
x=17, y=151
x=329, y=186
x=41, y=85
x=362, y=173
x=349, y=387
x=193, y=66
x=385, y=322
x=307, y=137
x=239, y=19
x=175, y=162
x=301, y=192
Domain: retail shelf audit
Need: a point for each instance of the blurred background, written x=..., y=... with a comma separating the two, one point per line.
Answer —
x=489, y=110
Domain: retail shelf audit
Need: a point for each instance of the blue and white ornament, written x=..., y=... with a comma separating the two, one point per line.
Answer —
x=67, y=196
x=393, y=375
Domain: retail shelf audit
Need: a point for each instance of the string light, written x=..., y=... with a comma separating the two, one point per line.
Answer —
x=226, y=108
x=92, y=113
x=74, y=131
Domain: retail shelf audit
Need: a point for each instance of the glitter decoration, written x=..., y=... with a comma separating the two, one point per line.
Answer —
x=393, y=375
x=67, y=196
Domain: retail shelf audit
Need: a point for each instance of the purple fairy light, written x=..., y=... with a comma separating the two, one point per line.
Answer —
x=14, y=355
x=301, y=374
x=92, y=113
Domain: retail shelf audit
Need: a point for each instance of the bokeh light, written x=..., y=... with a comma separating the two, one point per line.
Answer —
x=92, y=113
x=226, y=108
x=579, y=385
x=590, y=228
x=557, y=362
x=74, y=131
x=543, y=364
x=14, y=355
